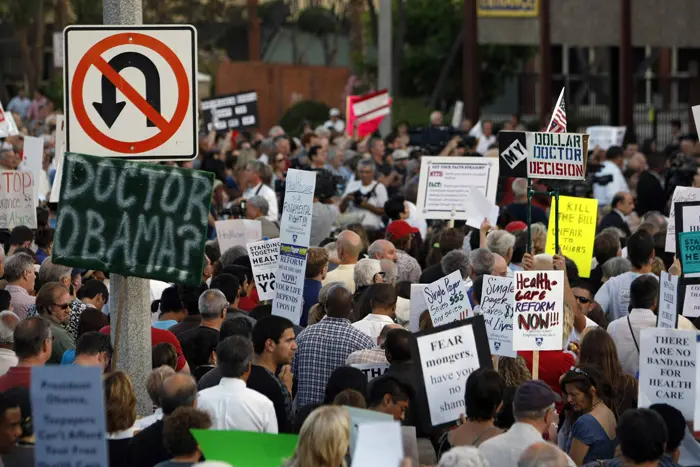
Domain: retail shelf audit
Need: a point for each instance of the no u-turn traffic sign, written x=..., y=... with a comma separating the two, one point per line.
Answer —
x=131, y=91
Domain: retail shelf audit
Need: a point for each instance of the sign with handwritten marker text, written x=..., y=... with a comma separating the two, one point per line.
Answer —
x=132, y=218
x=447, y=299
x=295, y=232
x=497, y=300
x=668, y=302
x=682, y=194
x=237, y=232
x=264, y=259
x=577, y=225
x=17, y=203
x=538, y=321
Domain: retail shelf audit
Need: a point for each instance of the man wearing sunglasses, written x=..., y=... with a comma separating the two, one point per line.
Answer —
x=53, y=305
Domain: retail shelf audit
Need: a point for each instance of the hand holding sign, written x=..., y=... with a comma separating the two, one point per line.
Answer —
x=447, y=299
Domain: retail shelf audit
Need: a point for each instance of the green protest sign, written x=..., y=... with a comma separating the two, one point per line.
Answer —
x=132, y=218
x=245, y=448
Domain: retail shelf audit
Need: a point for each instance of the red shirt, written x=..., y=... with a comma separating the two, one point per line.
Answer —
x=159, y=336
x=553, y=365
x=16, y=377
x=249, y=302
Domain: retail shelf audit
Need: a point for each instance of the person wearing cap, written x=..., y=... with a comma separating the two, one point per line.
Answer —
x=335, y=122
x=401, y=234
x=517, y=210
x=535, y=415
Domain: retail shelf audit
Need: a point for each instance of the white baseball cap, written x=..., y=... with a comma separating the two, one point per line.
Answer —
x=334, y=112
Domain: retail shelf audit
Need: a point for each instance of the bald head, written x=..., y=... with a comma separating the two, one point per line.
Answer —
x=178, y=390
x=339, y=302
x=543, y=455
x=382, y=249
x=500, y=267
x=436, y=118
x=349, y=246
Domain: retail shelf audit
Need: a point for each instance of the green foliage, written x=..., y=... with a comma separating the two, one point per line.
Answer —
x=54, y=91
x=293, y=119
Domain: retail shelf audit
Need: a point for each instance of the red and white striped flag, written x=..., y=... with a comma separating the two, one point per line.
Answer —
x=558, y=122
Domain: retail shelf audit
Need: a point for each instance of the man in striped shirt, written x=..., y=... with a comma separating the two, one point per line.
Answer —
x=20, y=275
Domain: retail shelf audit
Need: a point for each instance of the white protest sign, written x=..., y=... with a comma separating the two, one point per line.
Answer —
x=557, y=156
x=448, y=355
x=605, y=136
x=264, y=258
x=68, y=415
x=457, y=114
x=691, y=301
x=478, y=207
x=667, y=369
x=360, y=417
x=17, y=203
x=237, y=232
x=447, y=299
x=668, y=306
x=416, y=307
x=497, y=300
x=538, y=321
x=32, y=160
x=59, y=153
x=8, y=127
x=372, y=370
x=378, y=443
x=696, y=115
x=295, y=231
x=444, y=182
x=696, y=412
x=680, y=195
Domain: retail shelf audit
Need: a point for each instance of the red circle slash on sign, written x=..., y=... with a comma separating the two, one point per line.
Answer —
x=93, y=57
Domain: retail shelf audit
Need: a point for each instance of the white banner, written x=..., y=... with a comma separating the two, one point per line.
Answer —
x=237, y=232
x=58, y=158
x=668, y=302
x=447, y=299
x=538, y=321
x=264, y=258
x=497, y=300
x=605, y=136
x=17, y=203
x=33, y=158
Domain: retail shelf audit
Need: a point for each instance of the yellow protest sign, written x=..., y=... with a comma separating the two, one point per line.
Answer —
x=577, y=224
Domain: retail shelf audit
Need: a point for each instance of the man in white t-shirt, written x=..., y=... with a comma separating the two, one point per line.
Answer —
x=255, y=187
x=609, y=179
x=366, y=196
x=487, y=138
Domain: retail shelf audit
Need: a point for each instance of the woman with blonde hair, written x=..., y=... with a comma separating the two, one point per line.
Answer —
x=324, y=439
x=538, y=233
x=120, y=402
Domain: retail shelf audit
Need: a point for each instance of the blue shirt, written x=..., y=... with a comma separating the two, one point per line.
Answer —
x=164, y=325
x=41, y=255
x=68, y=357
x=588, y=430
x=311, y=289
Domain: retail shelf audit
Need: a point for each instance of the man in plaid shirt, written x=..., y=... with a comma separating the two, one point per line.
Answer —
x=323, y=347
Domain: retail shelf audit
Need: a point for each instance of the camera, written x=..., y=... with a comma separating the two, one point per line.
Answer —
x=358, y=197
x=236, y=211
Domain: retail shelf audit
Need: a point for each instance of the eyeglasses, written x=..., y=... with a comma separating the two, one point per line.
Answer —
x=583, y=300
x=62, y=306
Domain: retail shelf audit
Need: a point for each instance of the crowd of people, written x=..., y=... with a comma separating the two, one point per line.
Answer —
x=221, y=360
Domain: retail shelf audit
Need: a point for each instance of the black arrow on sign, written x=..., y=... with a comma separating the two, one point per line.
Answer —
x=109, y=109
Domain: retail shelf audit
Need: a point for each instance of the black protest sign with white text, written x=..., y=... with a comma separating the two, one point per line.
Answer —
x=512, y=150
x=232, y=112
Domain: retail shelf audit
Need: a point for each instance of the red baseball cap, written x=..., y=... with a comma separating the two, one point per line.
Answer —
x=399, y=229
x=515, y=226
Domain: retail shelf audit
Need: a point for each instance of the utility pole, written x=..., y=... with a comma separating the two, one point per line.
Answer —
x=545, y=62
x=253, y=31
x=626, y=85
x=129, y=304
x=386, y=39
x=470, y=61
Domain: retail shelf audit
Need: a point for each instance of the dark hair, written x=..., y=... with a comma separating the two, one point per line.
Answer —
x=93, y=343
x=614, y=152
x=640, y=248
x=190, y=297
x=477, y=288
x=483, y=394
x=451, y=239
x=656, y=161
x=169, y=301
x=177, y=439
x=676, y=122
x=338, y=302
x=520, y=246
x=43, y=237
x=398, y=345
x=584, y=284
x=163, y=354
x=236, y=326
x=269, y=327
x=384, y=385
x=383, y=295
x=403, y=289
x=234, y=355
x=675, y=424
x=642, y=435
x=260, y=311
x=350, y=398
x=584, y=378
x=91, y=319
x=29, y=337
x=92, y=288
x=5, y=299
x=212, y=251
x=394, y=207
x=19, y=397
x=313, y=151
x=644, y=291
x=7, y=402
x=20, y=235
x=342, y=378
x=617, y=199
x=228, y=284
x=605, y=246
x=316, y=260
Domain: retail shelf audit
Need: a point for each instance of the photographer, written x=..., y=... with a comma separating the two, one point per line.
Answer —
x=257, y=208
x=252, y=177
x=366, y=196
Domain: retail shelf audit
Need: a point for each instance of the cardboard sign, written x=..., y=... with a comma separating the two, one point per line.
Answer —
x=444, y=183
x=557, y=156
x=58, y=157
x=378, y=443
x=689, y=249
x=512, y=149
x=372, y=370
x=539, y=310
x=691, y=300
x=17, y=203
x=447, y=299
x=417, y=306
x=246, y=447
x=667, y=369
x=478, y=207
x=668, y=305
x=446, y=356
x=682, y=194
x=68, y=414
x=605, y=136
x=295, y=232
x=237, y=232
x=8, y=127
x=365, y=113
x=497, y=301
x=232, y=112
x=32, y=161
x=131, y=218
x=457, y=114
x=577, y=225
x=360, y=417
x=264, y=258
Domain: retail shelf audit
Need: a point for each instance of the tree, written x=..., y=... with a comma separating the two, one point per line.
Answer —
x=28, y=26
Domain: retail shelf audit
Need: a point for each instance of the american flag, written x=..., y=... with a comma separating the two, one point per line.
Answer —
x=558, y=122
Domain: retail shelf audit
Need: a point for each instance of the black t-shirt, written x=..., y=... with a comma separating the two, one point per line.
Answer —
x=518, y=212
x=268, y=385
x=431, y=274
x=147, y=448
x=198, y=344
